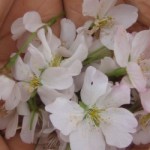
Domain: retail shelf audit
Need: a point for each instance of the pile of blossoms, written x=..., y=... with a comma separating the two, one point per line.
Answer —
x=88, y=89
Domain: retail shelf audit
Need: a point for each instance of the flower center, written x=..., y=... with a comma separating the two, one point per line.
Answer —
x=35, y=82
x=144, y=120
x=56, y=61
x=94, y=114
x=101, y=23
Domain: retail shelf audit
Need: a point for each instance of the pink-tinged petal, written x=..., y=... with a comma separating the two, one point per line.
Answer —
x=81, y=54
x=21, y=71
x=48, y=95
x=107, y=37
x=117, y=125
x=46, y=50
x=87, y=137
x=124, y=14
x=107, y=65
x=13, y=99
x=140, y=43
x=94, y=86
x=105, y=6
x=145, y=100
x=90, y=7
x=25, y=90
x=122, y=47
x=126, y=80
x=53, y=41
x=67, y=37
x=57, y=78
x=17, y=28
x=6, y=87
x=136, y=76
x=37, y=61
x=142, y=136
x=65, y=115
x=119, y=95
x=32, y=21
x=23, y=109
x=27, y=134
x=12, y=126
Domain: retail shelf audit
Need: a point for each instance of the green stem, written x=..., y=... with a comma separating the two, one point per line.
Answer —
x=119, y=72
x=68, y=147
x=32, y=118
x=98, y=54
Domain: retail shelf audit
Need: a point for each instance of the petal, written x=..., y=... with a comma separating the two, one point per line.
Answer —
x=74, y=69
x=107, y=65
x=49, y=95
x=65, y=115
x=67, y=37
x=124, y=14
x=107, y=37
x=32, y=21
x=118, y=125
x=13, y=99
x=122, y=47
x=21, y=71
x=12, y=126
x=81, y=54
x=119, y=95
x=6, y=87
x=105, y=6
x=23, y=109
x=136, y=76
x=36, y=65
x=56, y=78
x=27, y=134
x=25, y=91
x=90, y=7
x=46, y=50
x=87, y=137
x=95, y=84
x=140, y=44
x=53, y=41
x=17, y=28
x=144, y=96
x=142, y=136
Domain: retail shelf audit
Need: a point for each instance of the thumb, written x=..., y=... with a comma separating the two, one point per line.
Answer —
x=4, y=9
x=3, y=145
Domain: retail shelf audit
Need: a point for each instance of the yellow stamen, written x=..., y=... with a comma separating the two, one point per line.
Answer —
x=56, y=61
x=94, y=114
x=144, y=120
x=35, y=82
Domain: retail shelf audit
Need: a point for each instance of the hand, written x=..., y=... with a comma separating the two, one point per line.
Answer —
x=13, y=9
x=10, y=10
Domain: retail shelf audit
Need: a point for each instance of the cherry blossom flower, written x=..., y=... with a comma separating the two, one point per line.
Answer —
x=98, y=119
x=108, y=17
x=129, y=52
x=31, y=22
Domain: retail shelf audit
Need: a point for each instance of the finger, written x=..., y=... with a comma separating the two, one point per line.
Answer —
x=144, y=10
x=3, y=145
x=15, y=143
x=46, y=8
x=73, y=10
x=4, y=9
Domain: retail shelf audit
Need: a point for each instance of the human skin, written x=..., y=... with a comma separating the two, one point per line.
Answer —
x=10, y=10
